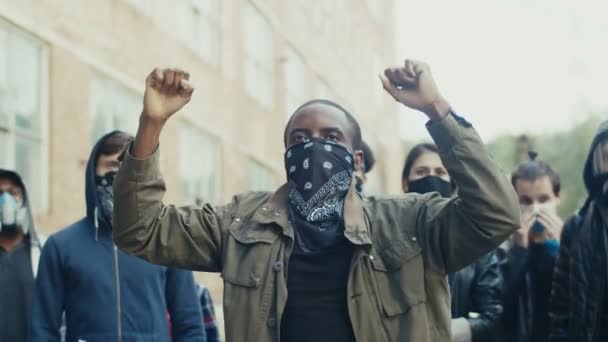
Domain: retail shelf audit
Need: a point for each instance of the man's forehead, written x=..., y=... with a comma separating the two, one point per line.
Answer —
x=539, y=184
x=8, y=183
x=317, y=115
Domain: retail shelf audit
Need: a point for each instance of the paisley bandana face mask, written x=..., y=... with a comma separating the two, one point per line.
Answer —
x=105, y=196
x=319, y=173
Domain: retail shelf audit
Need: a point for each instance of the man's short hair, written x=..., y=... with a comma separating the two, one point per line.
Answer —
x=533, y=170
x=357, y=139
x=13, y=177
x=114, y=143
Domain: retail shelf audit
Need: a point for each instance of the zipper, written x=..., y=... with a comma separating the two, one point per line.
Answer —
x=118, y=308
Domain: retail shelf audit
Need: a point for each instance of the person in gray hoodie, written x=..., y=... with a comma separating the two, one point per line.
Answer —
x=20, y=248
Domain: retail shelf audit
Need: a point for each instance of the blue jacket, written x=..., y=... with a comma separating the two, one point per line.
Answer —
x=106, y=294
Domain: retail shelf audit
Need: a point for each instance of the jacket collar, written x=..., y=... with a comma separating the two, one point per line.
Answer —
x=356, y=227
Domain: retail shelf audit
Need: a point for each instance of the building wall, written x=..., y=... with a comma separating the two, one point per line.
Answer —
x=343, y=45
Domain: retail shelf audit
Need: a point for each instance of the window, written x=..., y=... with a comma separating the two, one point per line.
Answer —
x=144, y=6
x=23, y=121
x=259, y=56
x=113, y=106
x=260, y=177
x=198, y=25
x=295, y=80
x=199, y=166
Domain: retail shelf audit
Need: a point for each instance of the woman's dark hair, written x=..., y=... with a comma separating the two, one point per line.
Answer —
x=414, y=154
x=534, y=169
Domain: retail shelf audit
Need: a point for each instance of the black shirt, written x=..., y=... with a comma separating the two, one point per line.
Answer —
x=16, y=285
x=316, y=309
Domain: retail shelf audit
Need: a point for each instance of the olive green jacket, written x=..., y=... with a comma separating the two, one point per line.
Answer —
x=404, y=245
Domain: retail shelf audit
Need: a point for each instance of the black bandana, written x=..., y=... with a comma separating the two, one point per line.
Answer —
x=105, y=196
x=319, y=173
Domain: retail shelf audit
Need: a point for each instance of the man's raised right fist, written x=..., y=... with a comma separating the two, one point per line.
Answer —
x=167, y=91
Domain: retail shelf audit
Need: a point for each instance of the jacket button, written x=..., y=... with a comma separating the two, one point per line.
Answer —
x=264, y=208
x=278, y=266
x=371, y=257
x=413, y=238
x=237, y=220
x=272, y=322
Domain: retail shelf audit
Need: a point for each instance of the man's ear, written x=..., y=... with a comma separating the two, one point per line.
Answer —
x=358, y=160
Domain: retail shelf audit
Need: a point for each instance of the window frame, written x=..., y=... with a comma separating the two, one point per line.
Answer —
x=202, y=21
x=254, y=64
x=257, y=165
x=11, y=132
x=106, y=82
x=187, y=123
x=293, y=100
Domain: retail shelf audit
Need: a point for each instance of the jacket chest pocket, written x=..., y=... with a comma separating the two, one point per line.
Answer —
x=398, y=273
x=249, y=252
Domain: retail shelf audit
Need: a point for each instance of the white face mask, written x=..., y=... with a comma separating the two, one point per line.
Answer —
x=13, y=214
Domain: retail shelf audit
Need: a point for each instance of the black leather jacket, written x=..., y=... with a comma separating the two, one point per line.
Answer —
x=476, y=295
x=527, y=274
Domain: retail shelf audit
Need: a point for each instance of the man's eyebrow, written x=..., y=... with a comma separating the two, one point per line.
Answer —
x=299, y=130
x=332, y=129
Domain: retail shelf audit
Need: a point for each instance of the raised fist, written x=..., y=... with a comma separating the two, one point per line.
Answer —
x=167, y=91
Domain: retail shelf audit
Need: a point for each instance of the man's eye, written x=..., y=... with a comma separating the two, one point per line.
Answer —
x=421, y=172
x=299, y=138
x=332, y=135
x=525, y=201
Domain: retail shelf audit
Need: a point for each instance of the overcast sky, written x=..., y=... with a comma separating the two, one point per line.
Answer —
x=509, y=66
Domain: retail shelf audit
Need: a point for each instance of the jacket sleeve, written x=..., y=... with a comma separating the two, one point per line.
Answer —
x=183, y=306
x=48, y=297
x=486, y=211
x=185, y=237
x=560, y=288
x=209, y=319
x=487, y=300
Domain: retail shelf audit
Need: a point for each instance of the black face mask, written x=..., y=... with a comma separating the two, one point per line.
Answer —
x=320, y=174
x=431, y=184
x=105, y=196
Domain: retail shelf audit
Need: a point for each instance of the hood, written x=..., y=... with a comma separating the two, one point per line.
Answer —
x=15, y=177
x=601, y=133
x=90, y=188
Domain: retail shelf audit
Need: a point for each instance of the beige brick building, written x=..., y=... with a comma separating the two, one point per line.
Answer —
x=73, y=69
